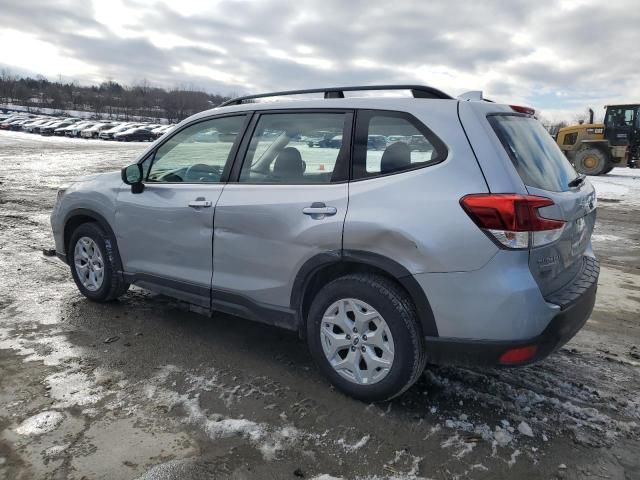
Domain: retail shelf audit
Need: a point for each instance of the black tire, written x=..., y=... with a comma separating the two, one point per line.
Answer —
x=591, y=161
x=399, y=314
x=608, y=169
x=113, y=285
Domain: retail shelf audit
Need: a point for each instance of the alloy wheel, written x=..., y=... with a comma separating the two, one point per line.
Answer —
x=89, y=263
x=357, y=341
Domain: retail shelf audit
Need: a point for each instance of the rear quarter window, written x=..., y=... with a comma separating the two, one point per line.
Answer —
x=534, y=153
x=390, y=142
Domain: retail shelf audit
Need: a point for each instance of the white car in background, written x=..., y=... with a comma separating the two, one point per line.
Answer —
x=159, y=131
x=34, y=121
x=68, y=131
x=109, y=134
x=35, y=127
x=48, y=130
x=75, y=132
x=94, y=131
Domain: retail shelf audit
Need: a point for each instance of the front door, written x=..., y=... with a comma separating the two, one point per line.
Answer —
x=287, y=204
x=634, y=141
x=165, y=233
x=619, y=123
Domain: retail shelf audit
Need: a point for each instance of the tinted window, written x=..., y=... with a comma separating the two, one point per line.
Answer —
x=198, y=153
x=293, y=148
x=391, y=142
x=570, y=138
x=619, y=117
x=536, y=156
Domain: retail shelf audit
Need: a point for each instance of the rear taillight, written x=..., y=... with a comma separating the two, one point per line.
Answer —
x=512, y=219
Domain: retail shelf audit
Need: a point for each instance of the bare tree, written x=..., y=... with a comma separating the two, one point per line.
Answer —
x=7, y=86
x=110, y=98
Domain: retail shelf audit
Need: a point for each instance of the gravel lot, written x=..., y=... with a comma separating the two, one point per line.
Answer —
x=142, y=388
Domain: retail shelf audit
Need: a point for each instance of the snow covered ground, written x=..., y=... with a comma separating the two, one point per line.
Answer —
x=620, y=185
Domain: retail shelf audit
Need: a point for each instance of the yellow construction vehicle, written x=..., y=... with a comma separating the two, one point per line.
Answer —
x=596, y=148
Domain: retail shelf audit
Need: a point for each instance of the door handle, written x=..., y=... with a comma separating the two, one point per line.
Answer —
x=319, y=210
x=200, y=203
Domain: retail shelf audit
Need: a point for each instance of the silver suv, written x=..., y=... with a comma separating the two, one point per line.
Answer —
x=464, y=239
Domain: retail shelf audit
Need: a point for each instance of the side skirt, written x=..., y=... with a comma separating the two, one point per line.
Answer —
x=216, y=300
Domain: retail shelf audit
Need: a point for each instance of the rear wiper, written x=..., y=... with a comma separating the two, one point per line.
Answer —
x=577, y=181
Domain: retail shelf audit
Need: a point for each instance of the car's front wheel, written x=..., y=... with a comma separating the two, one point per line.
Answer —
x=94, y=261
x=364, y=335
x=591, y=161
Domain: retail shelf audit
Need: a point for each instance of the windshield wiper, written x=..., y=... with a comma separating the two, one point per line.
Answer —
x=577, y=181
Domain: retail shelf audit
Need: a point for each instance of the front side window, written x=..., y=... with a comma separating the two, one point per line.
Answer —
x=296, y=148
x=570, y=138
x=198, y=153
x=391, y=142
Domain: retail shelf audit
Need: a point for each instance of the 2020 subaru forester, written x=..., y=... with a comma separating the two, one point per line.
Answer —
x=474, y=248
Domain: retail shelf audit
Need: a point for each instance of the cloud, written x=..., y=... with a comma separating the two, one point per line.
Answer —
x=561, y=55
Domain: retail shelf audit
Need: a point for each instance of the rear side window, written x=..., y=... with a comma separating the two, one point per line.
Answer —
x=392, y=142
x=298, y=148
x=536, y=156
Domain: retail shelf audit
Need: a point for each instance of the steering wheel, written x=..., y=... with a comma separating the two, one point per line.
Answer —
x=203, y=172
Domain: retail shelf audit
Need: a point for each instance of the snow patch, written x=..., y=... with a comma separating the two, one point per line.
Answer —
x=525, y=429
x=514, y=456
x=356, y=446
x=43, y=422
x=459, y=445
x=72, y=388
x=622, y=184
x=603, y=237
x=55, y=451
x=269, y=440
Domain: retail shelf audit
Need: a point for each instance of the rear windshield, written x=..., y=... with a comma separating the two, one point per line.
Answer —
x=534, y=153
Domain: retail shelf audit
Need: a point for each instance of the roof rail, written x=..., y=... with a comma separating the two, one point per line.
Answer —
x=418, y=91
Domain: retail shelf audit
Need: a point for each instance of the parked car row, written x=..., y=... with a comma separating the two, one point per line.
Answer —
x=374, y=142
x=79, y=128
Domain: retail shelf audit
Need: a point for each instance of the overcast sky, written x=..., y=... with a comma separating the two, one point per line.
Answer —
x=559, y=57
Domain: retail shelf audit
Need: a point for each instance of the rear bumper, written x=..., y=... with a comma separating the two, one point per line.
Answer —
x=576, y=302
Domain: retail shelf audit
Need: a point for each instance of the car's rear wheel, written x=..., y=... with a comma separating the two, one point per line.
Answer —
x=94, y=262
x=364, y=335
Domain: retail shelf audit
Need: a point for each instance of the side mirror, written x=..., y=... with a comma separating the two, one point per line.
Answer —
x=132, y=175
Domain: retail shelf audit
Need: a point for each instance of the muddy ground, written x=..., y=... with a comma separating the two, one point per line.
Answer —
x=142, y=388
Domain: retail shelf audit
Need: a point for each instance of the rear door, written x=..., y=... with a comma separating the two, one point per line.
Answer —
x=288, y=204
x=546, y=172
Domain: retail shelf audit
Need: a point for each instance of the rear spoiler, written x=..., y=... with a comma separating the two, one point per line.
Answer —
x=472, y=96
x=476, y=96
